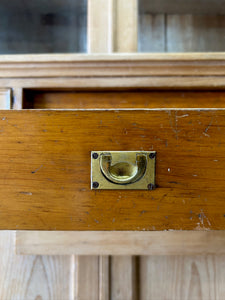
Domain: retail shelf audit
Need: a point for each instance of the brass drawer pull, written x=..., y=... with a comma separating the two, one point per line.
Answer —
x=123, y=170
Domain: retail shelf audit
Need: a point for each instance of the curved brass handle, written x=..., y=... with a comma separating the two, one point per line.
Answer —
x=123, y=172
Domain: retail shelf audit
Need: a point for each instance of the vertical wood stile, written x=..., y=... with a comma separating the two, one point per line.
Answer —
x=112, y=27
x=125, y=22
x=17, y=98
x=100, y=26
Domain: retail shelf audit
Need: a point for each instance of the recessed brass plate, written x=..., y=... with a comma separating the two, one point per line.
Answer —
x=123, y=170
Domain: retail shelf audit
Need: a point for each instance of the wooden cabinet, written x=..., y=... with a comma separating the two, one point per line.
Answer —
x=184, y=93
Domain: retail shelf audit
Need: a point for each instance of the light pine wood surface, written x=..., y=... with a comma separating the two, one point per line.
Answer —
x=115, y=30
x=182, y=277
x=32, y=277
x=160, y=277
x=167, y=243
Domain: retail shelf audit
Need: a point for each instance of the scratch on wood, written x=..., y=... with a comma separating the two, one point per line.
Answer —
x=173, y=123
x=203, y=217
x=26, y=193
x=207, y=128
x=35, y=171
x=183, y=116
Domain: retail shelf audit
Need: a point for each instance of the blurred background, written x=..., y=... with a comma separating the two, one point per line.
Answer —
x=60, y=26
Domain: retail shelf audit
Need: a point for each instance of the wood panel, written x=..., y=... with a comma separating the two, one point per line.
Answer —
x=32, y=277
x=53, y=149
x=182, y=277
x=124, y=283
x=86, y=285
x=35, y=99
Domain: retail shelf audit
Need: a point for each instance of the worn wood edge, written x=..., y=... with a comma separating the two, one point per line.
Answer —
x=117, y=83
x=120, y=242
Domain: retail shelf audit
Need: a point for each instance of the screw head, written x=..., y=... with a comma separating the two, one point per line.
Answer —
x=151, y=186
x=152, y=155
x=95, y=184
x=95, y=155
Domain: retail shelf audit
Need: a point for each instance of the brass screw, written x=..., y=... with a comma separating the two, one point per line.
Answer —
x=152, y=155
x=95, y=155
x=95, y=184
x=151, y=186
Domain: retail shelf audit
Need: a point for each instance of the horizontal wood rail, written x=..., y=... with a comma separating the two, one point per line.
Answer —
x=120, y=243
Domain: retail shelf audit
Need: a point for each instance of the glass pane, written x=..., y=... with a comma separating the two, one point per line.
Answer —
x=40, y=26
x=181, y=26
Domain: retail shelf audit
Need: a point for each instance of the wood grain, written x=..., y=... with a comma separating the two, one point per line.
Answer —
x=182, y=277
x=52, y=148
x=32, y=277
x=122, y=99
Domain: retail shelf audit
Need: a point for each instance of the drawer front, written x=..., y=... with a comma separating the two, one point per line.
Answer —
x=45, y=169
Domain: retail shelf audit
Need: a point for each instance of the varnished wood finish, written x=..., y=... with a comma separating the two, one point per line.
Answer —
x=45, y=170
x=123, y=99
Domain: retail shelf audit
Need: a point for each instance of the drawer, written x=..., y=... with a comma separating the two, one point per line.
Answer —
x=45, y=169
